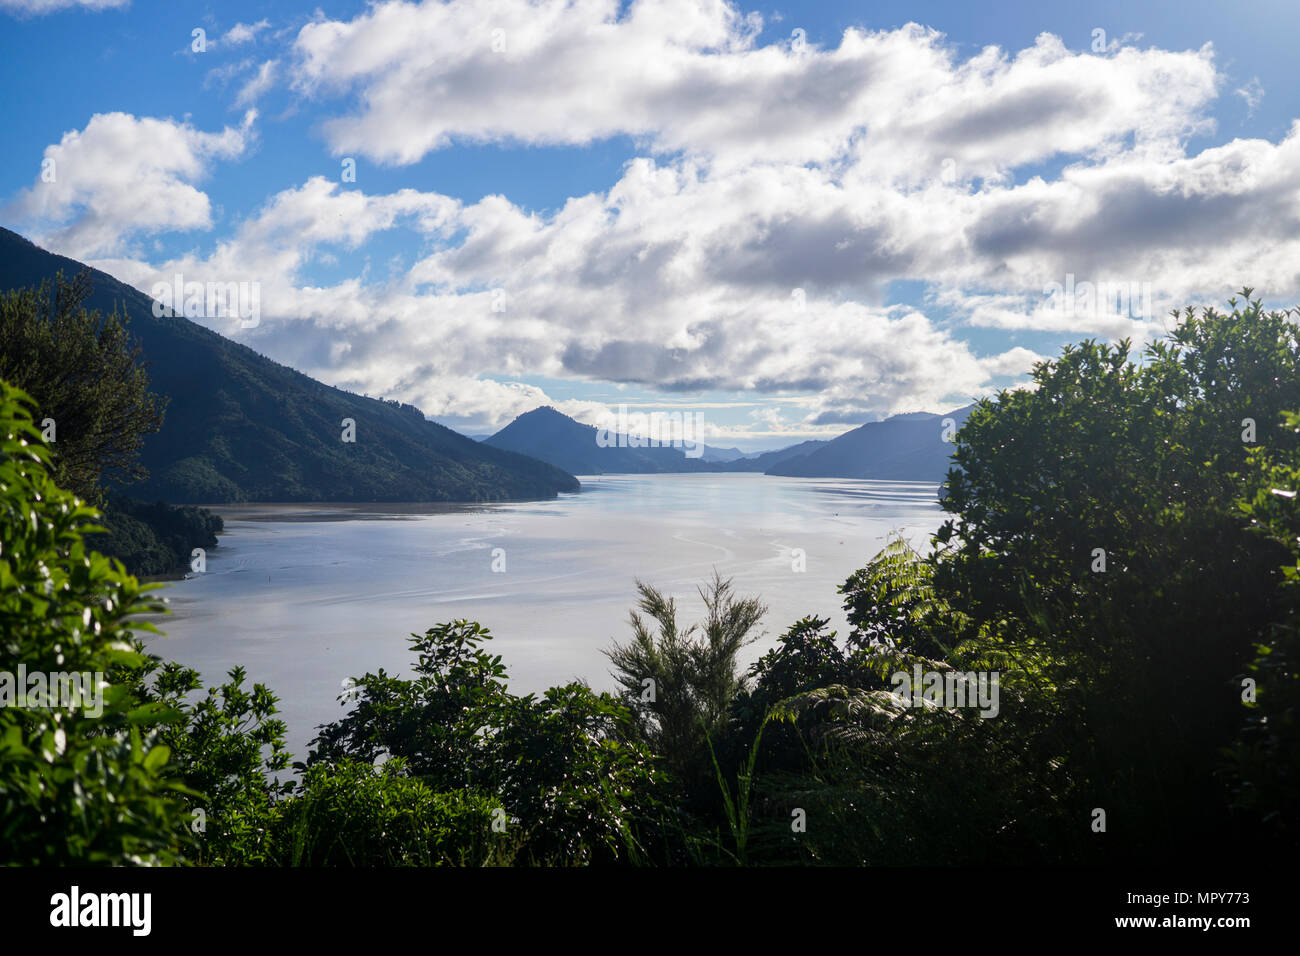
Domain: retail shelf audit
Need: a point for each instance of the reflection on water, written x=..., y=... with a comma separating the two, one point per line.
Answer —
x=306, y=595
x=350, y=511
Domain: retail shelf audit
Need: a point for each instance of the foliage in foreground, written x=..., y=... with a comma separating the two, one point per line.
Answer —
x=573, y=788
x=1121, y=549
x=356, y=814
x=680, y=683
x=81, y=775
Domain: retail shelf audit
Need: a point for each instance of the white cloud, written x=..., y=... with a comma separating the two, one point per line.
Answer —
x=41, y=7
x=681, y=279
x=256, y=87
x=753, y=243
x=690, y=76
x=123, y=176
x=244, y=32
x=222, y=75
x=1252, y=93
x=425, y=334
x=1016, y=361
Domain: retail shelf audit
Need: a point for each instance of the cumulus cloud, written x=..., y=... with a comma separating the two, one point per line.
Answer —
x=124, y=176
x=504, y=293
x=1012, y=362
x=759, y=280
x=778, y=194
x=690, y=76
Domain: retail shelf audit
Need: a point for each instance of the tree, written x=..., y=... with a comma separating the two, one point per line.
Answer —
x=681, y=685
x=1095, y=529
x=1122, y=548
x=1264, y=761
x=86, y=375
x=439, y=722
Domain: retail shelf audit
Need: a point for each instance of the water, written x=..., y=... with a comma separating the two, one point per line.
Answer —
x=306, y=595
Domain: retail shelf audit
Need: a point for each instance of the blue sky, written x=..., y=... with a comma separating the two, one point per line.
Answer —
x=684, y=205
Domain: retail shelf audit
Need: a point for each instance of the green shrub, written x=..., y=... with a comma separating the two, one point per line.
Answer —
x=353, y=814
x=226, y=747
x=575, y=791
x=76, y=786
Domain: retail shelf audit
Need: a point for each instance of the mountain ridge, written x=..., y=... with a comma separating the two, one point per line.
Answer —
x=907, y=447
x=240, y=426
x=549, y=434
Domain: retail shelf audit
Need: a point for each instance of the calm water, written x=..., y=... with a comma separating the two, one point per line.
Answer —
x=304, y=596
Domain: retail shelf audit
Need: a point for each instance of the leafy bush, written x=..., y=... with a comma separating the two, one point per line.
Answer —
x=354, y=814
x=574, y=788
x=76, y=786
x=1264, y=762
x=225, y=746
x=1122, y=549
x=1142, y=464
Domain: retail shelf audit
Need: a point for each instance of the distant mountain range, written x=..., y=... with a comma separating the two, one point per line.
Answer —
x=240, y=427
x=769, y=459
x=712, y=454
x=909, y=447
x=554, y=437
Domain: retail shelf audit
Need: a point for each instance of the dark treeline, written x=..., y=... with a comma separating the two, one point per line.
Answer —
x=153, y=538
x=1120, y=550
x=90, y=382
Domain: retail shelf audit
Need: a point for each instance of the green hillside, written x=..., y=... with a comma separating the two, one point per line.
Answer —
x=240, y=427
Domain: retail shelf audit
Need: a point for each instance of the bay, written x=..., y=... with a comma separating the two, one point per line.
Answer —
x=305, y=596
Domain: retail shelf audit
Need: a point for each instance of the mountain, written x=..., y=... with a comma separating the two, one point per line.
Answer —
x=769, y=459
x=907, y=447
x=721, y=455
x=240, y=427
x=554, y=437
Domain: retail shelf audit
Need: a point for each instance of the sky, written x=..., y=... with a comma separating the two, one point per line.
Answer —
x=788, y=219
